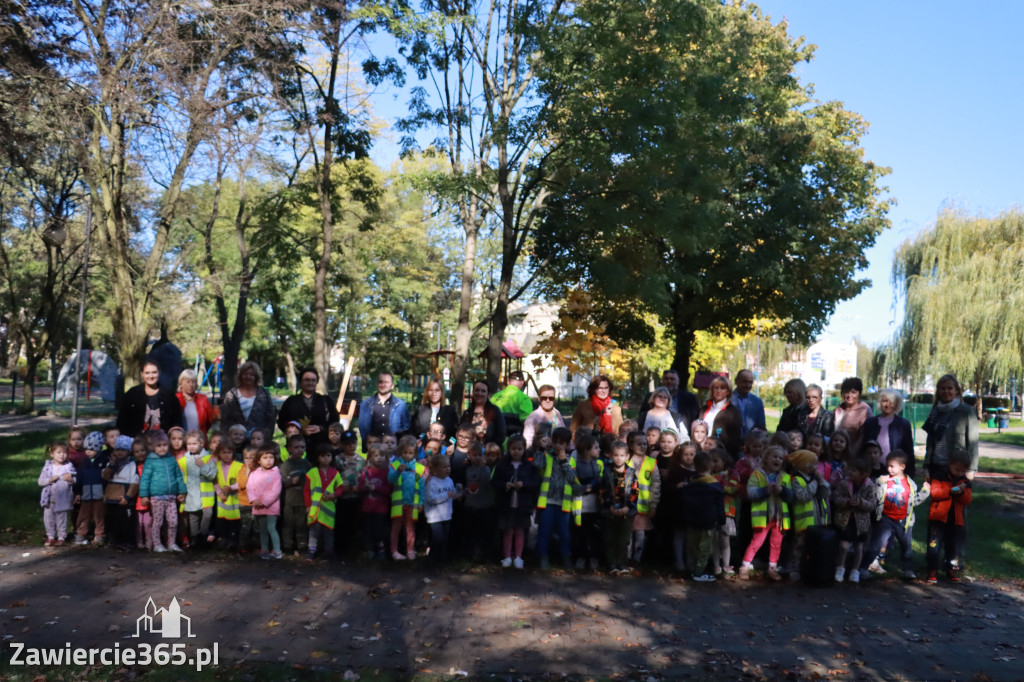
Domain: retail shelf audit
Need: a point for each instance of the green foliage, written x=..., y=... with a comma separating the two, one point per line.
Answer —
x=702, y=182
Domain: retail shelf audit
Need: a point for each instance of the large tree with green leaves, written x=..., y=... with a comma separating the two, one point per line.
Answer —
x=964, y=312
x=701, y=181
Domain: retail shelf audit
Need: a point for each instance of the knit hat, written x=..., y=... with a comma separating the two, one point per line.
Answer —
x=802, y=458
x=124, y=443
x=94, y=441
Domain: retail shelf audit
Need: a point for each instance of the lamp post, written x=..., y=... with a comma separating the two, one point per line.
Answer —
x=81, y=312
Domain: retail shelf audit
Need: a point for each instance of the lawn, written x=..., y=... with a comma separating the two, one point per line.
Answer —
x=1008, y=438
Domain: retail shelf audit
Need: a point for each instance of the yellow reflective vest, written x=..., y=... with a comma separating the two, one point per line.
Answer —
x=577, y=500
x=395, y=479
x=802, y=513
x=207, y=495
x=320, y=510
x=759, y=508
x=229, y=508
x=645, y=478
x=545, y=484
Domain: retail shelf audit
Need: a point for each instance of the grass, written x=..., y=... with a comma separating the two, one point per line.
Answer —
x=1001, y=466
x=1009, y=438
x=21, y=459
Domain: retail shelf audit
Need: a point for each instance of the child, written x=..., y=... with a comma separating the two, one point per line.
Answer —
x=769, y=493
x=143, y=515
x=620, y=493
x=161, y=486
x=213, y=439
x=796, y=440
x=896, y=495
x=119, y=494
x=676, y=480
x=258, y=439
x=781, y=440
x=229, y=513
x=541, y=443
x=57, y=480
x=199, y=472
x=479, y=505
x=951, y=493
x=699, y=432
x=295, y=537
x=334, y=438
x=702, y=505
x=292, y=428
x=838, y=451
x=653, y=436
x=390, y=443
x=406, y=476
x=554, y=504
x=492, y=455
x=586, y=532
x=76, y=443
x=667, y=443
x=809, y=506
x=323, y=486
x=649, y=485
x=627, y=427
x=176, y=435
x=248, y=530
x=816, y=444
x=376, y=493
x=110, y=435
x=754, y=446
x=515, y=483
x=264, y=489
x=439, y=493
x=436, y=432
x=853, y=503
x=89, y=490
x=237, y=435
x=721, y=546
x=465, y=436
x=349, y=464
x=872, y=454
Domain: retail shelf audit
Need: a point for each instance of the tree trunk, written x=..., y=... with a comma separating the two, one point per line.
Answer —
x=684, y=346
x=28, y=398
x=463, y=333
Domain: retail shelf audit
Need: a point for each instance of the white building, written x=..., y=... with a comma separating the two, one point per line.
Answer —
x=825, y=363
x=526, y=325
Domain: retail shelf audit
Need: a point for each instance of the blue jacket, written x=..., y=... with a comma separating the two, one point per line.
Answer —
x=399, y=416
x=161, y=476
x=752, y=410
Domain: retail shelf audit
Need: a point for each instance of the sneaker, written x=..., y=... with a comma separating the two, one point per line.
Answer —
x=954, y=575
x=932, y=578
x=79, y=540
x=705, y=578
x=855, y=576
x=581, y=564
x=876, y=568
x=909, y=575
x=506, y=562
x=277, y=555
x=518, y=563
x=265, y=555
x=174, y=547
x=841, y=573
x=50, y=542
x=99, y=542
x=729, y=572
x=398, y=556
x=411, y=555
x=744, y=572
x=59, y=542
x=159, y=548
x=773, y=574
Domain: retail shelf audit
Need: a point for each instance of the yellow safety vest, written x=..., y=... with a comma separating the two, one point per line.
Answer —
x=321, y=511
x=545, y=483
x=207, y=494
x=759, y=509
x=802, y=513
x=577, y=500
x=229, y=509
x=396, y=490
x=644, y=478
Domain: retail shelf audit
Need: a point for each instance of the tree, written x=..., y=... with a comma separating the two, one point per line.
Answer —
x=962, y=308
x=480, y=59
x=700, y=181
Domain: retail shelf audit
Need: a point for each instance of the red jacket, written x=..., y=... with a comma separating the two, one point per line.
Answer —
x=942, y=499
x=202, y=409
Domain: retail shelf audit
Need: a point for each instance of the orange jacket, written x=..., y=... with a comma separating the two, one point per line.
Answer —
x=943, y=498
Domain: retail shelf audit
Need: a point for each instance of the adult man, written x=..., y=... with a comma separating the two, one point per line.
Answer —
x=384, y=413
x=511, y=399
x=750, y=405
x=683, y=402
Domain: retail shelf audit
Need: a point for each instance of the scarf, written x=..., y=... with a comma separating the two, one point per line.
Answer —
x=600, y=407
x=712, y=412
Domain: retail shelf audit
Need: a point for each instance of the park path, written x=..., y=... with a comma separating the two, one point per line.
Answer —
x=361, y=617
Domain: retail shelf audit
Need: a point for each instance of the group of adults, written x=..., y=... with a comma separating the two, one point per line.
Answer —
x=730, y=413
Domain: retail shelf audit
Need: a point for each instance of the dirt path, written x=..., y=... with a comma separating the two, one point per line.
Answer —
x=401, y=621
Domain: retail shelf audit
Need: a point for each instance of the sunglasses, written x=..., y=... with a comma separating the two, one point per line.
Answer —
x=547, y=397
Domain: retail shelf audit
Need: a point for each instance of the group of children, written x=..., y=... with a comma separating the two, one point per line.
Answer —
x=638, y=497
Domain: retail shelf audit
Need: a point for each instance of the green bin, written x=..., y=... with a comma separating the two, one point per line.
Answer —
x=991, y=422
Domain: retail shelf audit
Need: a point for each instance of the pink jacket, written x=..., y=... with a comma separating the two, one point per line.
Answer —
x=264, y=486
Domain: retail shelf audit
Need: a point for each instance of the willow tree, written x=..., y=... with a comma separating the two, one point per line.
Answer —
x=964, y=312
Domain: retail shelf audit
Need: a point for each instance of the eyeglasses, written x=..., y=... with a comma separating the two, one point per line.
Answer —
x=547, y=397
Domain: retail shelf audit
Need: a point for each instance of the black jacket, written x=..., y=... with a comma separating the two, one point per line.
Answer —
x=702, y=504
x=504, y=472
x=131, y=419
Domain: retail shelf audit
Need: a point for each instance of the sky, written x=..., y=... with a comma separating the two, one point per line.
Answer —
x=941, y=85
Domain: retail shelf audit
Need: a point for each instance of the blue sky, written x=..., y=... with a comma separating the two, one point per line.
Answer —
x=942, y=85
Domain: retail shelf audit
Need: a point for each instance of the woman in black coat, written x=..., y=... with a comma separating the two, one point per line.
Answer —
x=310, y=408
x=484, y=416
x=434, y=410
x=816, y=419
x=795, y=391
x=148, y=406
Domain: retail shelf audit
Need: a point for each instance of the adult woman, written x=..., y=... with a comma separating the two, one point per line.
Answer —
x=951, y=425
x=660, y=416
x=816, y=419
x=195, y=408
x=249, y=403
x=889, y=430
x=433, y=409
x=599, y=412
x=148, y=406
x=725, y=419
x=796, y=393
x=852, y=412
x=484, y=416
x=311, y=409
x=545, y=417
